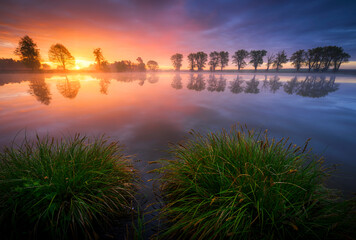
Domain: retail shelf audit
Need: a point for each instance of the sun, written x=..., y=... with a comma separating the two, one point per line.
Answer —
x=77, y=67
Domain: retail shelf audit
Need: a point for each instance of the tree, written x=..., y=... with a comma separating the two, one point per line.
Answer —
x=280, y=59
x=152, y=65
x=201, y=58
x=177, y=61
x=59, y=54
x=239, y=58
x=257, y=57
x=223, y=59
x=29, y=53
x=191, y=61
x=270, y=60
x=99, y=58
x=342, y=57
x=298, y=58
x=214, y=60
x=141, y=67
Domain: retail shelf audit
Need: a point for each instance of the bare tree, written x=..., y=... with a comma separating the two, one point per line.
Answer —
x=239, y=58
x=270, y=59
x=280, y=59
x=257, y=57
x=29, y=53
x=177, y=61
x=59, y=54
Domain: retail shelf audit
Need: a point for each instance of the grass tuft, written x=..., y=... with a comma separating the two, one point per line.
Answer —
x=240, y=184
x=63, y=189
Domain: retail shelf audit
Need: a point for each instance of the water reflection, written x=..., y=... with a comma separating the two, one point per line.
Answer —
x=316, y=87
x=104, y=85
x=39, y=88
x=216, y=85
x=177, y=82
x=252, y=86
x=68, y=88
x=196, y=83
x=291, y=86
x=236, y=85
x=153, y=78
x=273, y=84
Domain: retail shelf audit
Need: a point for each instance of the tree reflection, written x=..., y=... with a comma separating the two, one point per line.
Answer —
x=236, y=85
x=217, y=85
x=252, y=86
x=177, y=82
x=104, y=85
x=68, y=89
x=291, y=87
x=39, y=88
x=316, y=87
x=153, y=78
x=141, y=78
x=196, y=83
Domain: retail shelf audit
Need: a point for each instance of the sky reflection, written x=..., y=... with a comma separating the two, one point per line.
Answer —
x=146, y=111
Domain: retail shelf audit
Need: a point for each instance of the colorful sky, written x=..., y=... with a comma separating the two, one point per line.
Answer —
x=156, y=29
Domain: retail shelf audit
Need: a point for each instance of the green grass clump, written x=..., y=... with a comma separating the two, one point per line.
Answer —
x=242, y=185
x=63, y=189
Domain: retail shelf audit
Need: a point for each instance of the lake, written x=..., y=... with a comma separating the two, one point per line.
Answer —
x=147, y=111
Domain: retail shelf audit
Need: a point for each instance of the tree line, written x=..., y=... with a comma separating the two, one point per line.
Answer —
x=319, y=59
x=29, y=55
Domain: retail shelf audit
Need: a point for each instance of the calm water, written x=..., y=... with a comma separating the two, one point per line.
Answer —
x=147, y=111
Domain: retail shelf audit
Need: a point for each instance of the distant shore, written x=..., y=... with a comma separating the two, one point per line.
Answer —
x=250, y=71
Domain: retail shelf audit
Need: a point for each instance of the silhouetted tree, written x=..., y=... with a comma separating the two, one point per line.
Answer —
x=152, y=65
x=11, y=64
x=68, y=89
x=280, y=59
x=270, y=60
x=191, y=61
x=257, y=57
x=201, y=58
x=236, y=85
x=99, y=58
x=40, y=90
x=177, y=61
x=339, y=57
x=29, y=53
x=141, y=67
x=239, y=58
x=214, y=60
x=59, y=54
x=252, y=86
x=298, y=58
x=177, y=82
x=223, y=59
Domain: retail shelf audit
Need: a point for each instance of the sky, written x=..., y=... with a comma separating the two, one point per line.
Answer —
x=157, y=29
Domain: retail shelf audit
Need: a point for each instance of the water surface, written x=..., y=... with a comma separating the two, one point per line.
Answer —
x=147, y=111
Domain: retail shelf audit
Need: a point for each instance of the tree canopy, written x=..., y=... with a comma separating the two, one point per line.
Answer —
x=59, y=54
x=257, y=57
x=28, y=52
x=279, y=60
x=152, y=65
x=239, y=58
x=177, y=61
